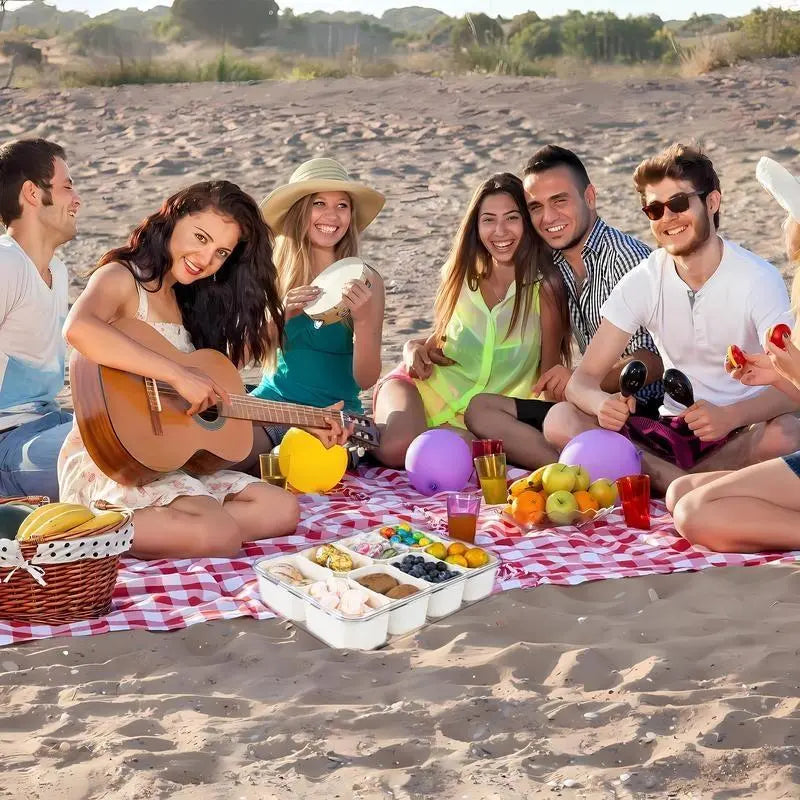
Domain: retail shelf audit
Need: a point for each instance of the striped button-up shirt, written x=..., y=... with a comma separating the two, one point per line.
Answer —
x=608, y=254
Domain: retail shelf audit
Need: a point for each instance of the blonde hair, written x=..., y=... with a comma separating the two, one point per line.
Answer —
x=292, y=255
x=792, y=228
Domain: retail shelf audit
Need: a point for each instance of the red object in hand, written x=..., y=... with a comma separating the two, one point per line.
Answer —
x=736, y=357
x=777, y=335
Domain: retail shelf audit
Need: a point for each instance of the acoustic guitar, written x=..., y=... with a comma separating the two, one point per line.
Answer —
x=136, y=428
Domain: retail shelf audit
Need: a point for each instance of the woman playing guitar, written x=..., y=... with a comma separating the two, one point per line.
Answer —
x=200, y=272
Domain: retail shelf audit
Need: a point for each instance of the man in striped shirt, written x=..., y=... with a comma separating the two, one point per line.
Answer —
x=592, y=257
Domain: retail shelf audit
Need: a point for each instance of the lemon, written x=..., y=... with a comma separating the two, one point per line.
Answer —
x=460, y=560
x=475, y=557
x=437, y=550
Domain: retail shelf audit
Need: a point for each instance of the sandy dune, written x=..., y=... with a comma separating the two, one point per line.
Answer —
x=673, y=686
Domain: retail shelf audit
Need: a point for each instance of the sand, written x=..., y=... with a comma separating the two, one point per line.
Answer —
x=679, y=686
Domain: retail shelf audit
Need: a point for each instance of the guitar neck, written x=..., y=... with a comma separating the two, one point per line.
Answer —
x=271, y=411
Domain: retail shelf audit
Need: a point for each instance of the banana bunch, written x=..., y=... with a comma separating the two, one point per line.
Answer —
x=56, y=519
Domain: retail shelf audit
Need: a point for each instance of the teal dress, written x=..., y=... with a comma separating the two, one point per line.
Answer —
x=315, y=366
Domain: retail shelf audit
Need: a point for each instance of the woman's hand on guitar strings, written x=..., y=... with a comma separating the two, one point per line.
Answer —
x=336, y=433
x=198, y=389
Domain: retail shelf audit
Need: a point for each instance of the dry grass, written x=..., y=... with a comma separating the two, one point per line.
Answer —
x=708, y=53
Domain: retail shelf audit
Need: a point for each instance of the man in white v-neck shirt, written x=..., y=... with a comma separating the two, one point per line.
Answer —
x=696, y=295
x=38, y=207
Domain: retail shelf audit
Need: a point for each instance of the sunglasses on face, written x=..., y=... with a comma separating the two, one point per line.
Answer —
x=676, y=204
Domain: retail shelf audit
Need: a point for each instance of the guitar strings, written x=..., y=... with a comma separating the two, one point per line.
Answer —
x=308, y=413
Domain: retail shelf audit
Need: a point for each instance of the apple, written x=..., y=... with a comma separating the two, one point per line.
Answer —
x=535, y=478
x=582, y=479
x=777, y=334
x=557, y=478
x=736, y=357
x=562, y=507
x=604, y=491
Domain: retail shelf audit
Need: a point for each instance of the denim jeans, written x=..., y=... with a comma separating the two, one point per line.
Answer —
x=29, y=455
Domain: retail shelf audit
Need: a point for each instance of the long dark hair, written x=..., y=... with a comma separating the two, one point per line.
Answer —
x=229, y=312
x=470, y=261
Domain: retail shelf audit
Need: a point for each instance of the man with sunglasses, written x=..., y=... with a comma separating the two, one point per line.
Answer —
x=592, y=257
x=697, y=294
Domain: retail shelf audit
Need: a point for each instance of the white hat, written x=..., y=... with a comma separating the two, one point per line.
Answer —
x=781, y=184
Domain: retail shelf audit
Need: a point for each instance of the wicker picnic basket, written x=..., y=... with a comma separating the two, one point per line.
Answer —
x=65, y=592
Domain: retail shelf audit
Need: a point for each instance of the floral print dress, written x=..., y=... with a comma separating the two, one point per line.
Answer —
x=80, y=480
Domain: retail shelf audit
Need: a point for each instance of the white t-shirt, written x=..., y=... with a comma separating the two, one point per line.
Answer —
x=739, y=302
x=32, y=348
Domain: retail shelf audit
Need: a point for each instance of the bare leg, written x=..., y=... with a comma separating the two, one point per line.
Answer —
x=753, y=509
x=682, y=486
x=493, y=416
x=262, y=511
x=400, y=415
x=565, y=421
x=761, y=442
x=189, y=527
x=261, y=444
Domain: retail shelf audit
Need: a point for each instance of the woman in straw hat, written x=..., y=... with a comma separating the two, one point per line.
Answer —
x=317, y=218
x=756, y=508
x=500, y=320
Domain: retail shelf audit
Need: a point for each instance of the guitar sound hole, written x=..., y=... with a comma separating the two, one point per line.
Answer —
x=211, y=414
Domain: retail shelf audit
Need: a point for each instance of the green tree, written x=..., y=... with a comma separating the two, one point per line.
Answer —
x=476, y=29
x=242, y=22
x=536, y=40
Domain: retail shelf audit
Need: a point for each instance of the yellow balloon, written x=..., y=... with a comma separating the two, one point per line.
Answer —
x=307, y=465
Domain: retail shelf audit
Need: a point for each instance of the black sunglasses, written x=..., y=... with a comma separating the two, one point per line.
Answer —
x=677, y=203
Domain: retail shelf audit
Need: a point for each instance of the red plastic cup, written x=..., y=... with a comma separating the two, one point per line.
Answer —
x=634, y=492
x=486, y=447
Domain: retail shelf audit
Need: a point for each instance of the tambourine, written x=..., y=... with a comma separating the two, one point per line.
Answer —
x=328, y=307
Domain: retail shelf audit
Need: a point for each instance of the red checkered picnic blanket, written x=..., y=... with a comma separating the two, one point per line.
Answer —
x=167, y=595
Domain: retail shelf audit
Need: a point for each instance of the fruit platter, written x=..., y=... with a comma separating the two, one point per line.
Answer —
x=351, y=594
x=556, y=495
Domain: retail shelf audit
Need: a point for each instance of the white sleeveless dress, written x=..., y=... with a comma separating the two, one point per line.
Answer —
x=80, y=480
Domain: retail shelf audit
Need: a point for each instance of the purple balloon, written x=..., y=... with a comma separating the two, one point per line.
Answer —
x=603, y=454
x=438, y=461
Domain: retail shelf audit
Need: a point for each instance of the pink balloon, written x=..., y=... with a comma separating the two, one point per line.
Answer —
x=603, y=454
x=438, y=461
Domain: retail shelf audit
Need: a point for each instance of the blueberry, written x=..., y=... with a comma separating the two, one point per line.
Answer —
x=441, y=566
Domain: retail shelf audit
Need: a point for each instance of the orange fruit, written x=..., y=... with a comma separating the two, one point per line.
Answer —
x=585, y=501
x=457, y=549
x=460, y=560
x=475, y=557
x=528, y=508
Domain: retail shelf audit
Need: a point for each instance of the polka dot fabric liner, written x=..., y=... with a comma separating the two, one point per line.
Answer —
x=65, y=551
x=172, y=594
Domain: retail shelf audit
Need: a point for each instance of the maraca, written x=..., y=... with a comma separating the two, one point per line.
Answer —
x=736, y=357
x=632, y=378
x=778, y=334
x=678, y=387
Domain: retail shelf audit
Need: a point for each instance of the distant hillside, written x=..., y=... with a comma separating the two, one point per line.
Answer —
x=48, y=19
x=132, y=19
x=411, y=19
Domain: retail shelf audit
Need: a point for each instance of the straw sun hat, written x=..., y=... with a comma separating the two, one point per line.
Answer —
x=781, y=184
x=320, y=175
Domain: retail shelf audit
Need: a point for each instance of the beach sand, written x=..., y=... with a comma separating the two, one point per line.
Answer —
x=680, y=686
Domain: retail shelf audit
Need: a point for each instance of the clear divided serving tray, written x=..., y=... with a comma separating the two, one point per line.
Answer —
x=384, y=617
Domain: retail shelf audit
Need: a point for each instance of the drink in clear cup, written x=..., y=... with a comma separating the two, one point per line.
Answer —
x=271, y=469
x=486, y=447
x=491, y=471
x=634, y=493
x=462, y=515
